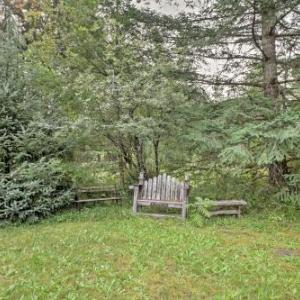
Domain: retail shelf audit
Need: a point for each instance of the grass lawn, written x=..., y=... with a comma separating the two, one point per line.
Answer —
x=106, y=253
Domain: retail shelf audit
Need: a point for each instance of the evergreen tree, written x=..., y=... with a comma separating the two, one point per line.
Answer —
x=256, y=43
x=32, y=182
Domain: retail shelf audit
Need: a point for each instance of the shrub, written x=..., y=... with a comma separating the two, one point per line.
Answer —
x=34, y=190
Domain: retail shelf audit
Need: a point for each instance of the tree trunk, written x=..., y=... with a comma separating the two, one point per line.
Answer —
x=140, y=157
x=277, y=169
x=271, y=88
x=156, y=155
x=122, y=170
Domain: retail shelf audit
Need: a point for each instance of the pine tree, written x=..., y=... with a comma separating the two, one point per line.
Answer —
x=256, y=44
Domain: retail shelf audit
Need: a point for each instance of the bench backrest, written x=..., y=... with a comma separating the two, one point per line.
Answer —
x=163, y=188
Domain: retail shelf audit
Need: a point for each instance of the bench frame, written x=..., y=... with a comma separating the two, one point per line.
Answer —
x=112, y=194
x=162, y=190
x=227, y=207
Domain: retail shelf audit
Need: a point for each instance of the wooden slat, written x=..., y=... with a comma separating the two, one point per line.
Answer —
x=149, y=192
x=181, y=197
x=176, y=191
x=173, y=190
x=168, y=183
x=97, y=187
x=100, y=199
x=154, y=184
x=94, y=190
x=148, y=202
x=224, y=212
x=163, y=187
x=160, y=215
x=145, y=186
x=175, y=205
x=158, y=188
x=228, y=203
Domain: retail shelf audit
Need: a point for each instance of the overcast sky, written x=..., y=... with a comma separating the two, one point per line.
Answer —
x=175, y=7
x=164, y=6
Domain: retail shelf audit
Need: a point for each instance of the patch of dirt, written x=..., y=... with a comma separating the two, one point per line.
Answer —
x=287, y=252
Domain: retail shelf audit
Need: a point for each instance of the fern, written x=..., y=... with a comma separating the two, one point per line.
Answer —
x=201, y=206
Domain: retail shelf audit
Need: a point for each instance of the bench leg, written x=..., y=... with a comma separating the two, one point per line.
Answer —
x=183, y=212
x=239, y=212
x=135, y=199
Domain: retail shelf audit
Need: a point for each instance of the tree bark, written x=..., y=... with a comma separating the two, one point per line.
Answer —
x=139, y=151
x=156, y=155
x=277, y=169
x=271, y=88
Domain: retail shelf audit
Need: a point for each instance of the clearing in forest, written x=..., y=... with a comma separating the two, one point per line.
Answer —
x=106, y=253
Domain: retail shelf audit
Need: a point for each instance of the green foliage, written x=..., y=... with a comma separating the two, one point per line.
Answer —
x=201, y=206
x=289, y=198
x=127, y=90
x=128, y=84
x=32, y=184
x=237, y=140
x=34, y=190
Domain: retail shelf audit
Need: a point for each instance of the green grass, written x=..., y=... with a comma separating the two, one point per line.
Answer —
x=106, y=253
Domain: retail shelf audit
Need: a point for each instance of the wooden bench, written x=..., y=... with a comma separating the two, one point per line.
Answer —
x=226, y=207
x=107, y=193
x=162, y=190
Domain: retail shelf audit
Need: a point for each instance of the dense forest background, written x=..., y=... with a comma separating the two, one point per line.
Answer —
x=93, y=92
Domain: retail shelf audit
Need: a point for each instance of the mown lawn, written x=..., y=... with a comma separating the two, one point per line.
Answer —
x=105, y=253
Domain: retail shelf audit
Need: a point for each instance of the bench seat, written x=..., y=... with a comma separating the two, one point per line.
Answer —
x=226, y=207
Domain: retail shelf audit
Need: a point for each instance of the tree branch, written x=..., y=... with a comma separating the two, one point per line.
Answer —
x=291, y=34
x=280, y=18
x=253, y=30
x=229, y=82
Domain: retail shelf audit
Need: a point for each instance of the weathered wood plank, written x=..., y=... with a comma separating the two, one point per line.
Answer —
x=158, y=188
x=160, y=215
x=228, y=203
x=145, y=186
x=172, y=189
x=182, y=193
x=175, y=205
x=163, y=187
x=177, y=191
x=147, y=202
x=224, y=212
x=95, y=190
x=149, y=192
x=168, y=182
x=98, y=199
x=154, y=184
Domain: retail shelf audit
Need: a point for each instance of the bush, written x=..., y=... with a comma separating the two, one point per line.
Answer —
x=34, y=190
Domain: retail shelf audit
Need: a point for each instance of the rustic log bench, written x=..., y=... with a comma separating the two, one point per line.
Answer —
x=107, y=193
x=162, y=190
x=226, y=207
